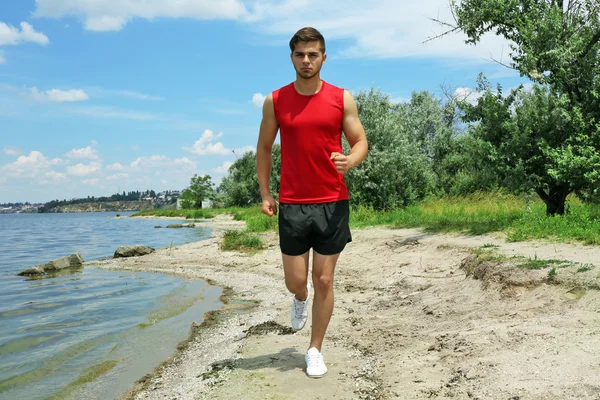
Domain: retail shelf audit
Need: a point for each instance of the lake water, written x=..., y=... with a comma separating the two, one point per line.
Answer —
x=90, y=334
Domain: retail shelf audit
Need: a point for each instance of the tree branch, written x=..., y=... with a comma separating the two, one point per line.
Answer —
x=540, y=192
x=501, y=63
x=454, y=29
x=595, y=39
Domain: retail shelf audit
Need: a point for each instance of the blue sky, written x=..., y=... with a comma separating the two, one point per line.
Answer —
x=98, y=96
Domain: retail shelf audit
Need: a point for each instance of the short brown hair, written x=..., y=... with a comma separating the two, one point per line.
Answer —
x=305, y=35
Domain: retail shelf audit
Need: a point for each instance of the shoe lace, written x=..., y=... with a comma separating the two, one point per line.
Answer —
x=299, y=308
x=314, y=359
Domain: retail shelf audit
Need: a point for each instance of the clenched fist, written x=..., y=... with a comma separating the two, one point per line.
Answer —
x=269, y=207
x=342, y=163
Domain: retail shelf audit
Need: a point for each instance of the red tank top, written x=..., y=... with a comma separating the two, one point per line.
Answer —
x=310, y=128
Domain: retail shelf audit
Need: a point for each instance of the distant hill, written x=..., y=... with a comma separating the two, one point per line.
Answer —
x=114, y=206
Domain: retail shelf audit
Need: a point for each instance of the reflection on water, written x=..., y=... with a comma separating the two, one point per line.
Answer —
x=82, y=332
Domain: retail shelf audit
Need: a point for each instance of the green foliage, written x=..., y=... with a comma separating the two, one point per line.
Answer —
x=200, y=189
x=470, y=168
x=553, y=139
x=261, y=223
x=129, y=196
x=397, y=170
x=241, y=241
x=579, y=224
x=552, y=274
x=585, y=268
x=536, y=263
x=537, y=140
x=480, y=213
x=240, y=187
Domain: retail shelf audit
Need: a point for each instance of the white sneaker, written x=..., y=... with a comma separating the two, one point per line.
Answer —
x=315, y=366
x=300, y=311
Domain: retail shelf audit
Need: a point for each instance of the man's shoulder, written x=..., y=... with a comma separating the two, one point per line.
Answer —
x=334, y=87
x=284, y=88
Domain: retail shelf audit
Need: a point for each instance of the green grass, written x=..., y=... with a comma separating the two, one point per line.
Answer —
x=241, y=241
x=255, y=220
x=585, y=268
x=482, y=213
x=476, y=214
x=489, y=246
x=536, y=263
x=552, y=274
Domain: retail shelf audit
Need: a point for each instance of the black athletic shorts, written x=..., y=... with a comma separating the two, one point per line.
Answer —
x=323, y=227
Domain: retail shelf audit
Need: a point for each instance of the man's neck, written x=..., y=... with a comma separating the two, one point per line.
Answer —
x=308, y=86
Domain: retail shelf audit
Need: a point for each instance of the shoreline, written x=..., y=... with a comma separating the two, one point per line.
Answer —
x=409, y=322
x=235, y=302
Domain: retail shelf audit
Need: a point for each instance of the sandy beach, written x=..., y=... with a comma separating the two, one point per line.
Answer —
x=416, y=317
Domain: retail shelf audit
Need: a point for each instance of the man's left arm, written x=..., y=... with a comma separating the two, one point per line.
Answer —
x=355, y=134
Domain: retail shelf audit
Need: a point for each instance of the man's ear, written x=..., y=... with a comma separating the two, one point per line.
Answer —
x=324, y=57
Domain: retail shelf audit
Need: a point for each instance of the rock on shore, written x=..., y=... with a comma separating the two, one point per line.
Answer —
x=133, y=251
x=75, y=260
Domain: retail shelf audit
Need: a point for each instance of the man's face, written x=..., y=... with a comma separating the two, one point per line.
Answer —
x=308, y=59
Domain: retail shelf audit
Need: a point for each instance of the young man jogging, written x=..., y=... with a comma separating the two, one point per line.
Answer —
x=311, y=116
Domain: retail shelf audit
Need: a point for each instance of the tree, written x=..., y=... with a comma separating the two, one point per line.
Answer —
x=556, y=44
x=240, y=187
x=397, y=171
x=200, y=189
x=432, y=125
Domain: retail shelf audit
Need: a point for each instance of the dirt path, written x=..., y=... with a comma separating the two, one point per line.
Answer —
x=408, y=324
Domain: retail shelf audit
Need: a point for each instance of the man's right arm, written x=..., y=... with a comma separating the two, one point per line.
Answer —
x=264, y=161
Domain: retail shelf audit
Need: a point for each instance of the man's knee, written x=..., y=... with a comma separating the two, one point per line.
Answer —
x=295, y=285
x=323, y=282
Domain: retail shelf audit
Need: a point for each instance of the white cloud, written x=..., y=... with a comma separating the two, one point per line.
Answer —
x=112, y=15
x=468, y=94
x=93, y=181
x=398, y=100
x=115, y=167
x=223, y=169
x=114, y=113
x=135, y=147
x=157, y=162
x=30, y=166
x=240, y=151
x=204, y=145
x=58, y=96
x=117, y=177
x=56, y=176
x=87, y=153
x=136, y=95
x=527, y=88
x=10, y=35
x=94, y=142
x=83, y=170
x=382, y=29
x=258, y=99
x=472, y=96
x=102, y=92
x=11, y=151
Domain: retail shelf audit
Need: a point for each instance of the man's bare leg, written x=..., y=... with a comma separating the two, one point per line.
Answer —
x=322, y=275
x=295, y=269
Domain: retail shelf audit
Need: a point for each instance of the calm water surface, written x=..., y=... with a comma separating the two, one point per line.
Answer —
x=92, y=333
